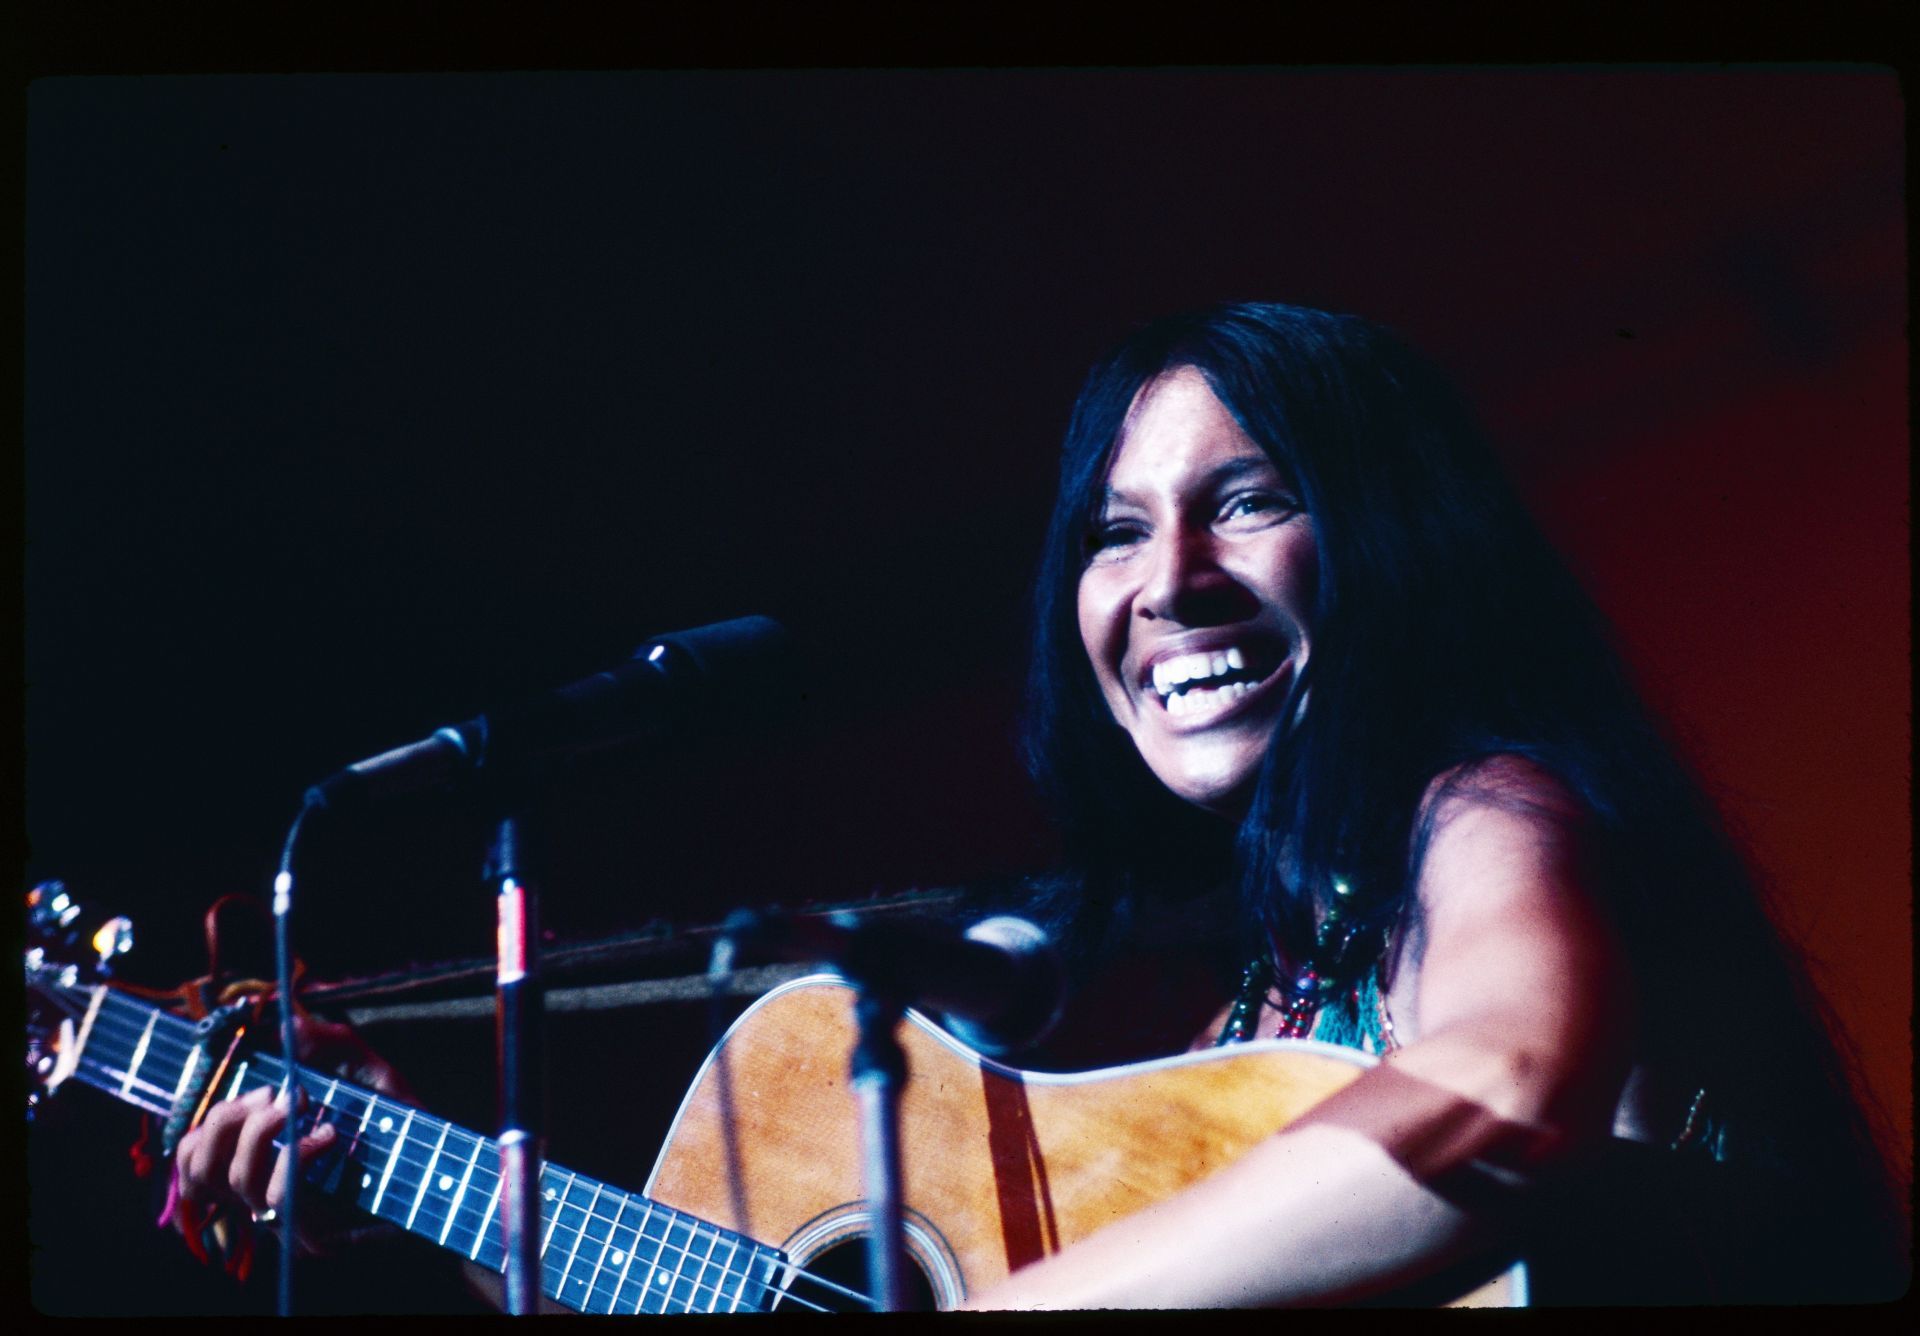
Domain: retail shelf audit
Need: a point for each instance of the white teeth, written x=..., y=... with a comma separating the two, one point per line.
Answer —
x=1204, y=698
x=1171, y=673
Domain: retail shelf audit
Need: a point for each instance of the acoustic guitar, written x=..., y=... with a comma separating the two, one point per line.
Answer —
x=756, y=1201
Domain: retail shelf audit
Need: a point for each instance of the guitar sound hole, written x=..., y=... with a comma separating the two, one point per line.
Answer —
x=845, y=1264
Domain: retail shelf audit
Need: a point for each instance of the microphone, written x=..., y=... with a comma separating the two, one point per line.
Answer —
x=742, y=665
x=998, y=986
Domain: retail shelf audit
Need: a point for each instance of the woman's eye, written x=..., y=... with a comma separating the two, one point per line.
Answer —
x=1254, y=505
x=1106, y=537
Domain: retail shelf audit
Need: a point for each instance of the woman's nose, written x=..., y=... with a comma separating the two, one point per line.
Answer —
x=1186, y=583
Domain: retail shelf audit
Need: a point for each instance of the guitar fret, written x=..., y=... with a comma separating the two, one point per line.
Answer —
x=469, y=1222
x=573, y=1253
x=700, y=1281
x=653, y=1287
x=554, y=1218
x=600, y=1261
x=651, y=1274
x=713, y=1273
x=680, y=1238
x=733, y=1254
x=553, y=1214
x=610, y=1251
x=597, y=1232
x=186, y=1074
x=453, y=1211
x=83, y=1039
x=480, y=1235
x=393, y=1158
x=680, y=1262
x=698, y=1284
x=553, y=1270
x=139, y=1055
x=620, y=1285
x=426, y=1178
x=360, y=1132
x=690, y=1296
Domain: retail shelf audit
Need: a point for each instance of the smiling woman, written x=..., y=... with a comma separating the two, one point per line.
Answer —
x=1197, y=598
x=1378, y=778
x=1341, y=752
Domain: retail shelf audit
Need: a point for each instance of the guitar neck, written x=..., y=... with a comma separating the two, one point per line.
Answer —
x=602, y=1250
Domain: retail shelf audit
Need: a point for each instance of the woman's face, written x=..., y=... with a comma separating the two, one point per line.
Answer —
x=1198, y=590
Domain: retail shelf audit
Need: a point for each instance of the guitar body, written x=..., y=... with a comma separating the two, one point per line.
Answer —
x=1000, y=1167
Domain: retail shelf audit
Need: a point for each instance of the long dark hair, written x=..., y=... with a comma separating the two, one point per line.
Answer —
x=1447, y=632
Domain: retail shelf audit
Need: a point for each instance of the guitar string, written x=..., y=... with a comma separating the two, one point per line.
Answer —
x=618, y=1292
x=181, y=1043
x=124, y=1018
x=312, y=1080
x=109, y=1020
x=666, y=1251
x=710, y=1272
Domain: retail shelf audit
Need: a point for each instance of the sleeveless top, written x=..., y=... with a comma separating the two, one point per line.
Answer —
x=1357, y=1018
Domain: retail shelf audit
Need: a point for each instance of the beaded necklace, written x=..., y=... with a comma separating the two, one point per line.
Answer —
x=1310, y=989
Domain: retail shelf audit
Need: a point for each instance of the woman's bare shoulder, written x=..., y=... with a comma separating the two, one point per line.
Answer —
x=1504, y=782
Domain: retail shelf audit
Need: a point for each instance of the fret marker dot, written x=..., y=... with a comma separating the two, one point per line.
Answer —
x=446, y=1182
x=366, y=1180
x=619, y=1259
x=659, y=1277
x=551, y=1194
x=386, y=1124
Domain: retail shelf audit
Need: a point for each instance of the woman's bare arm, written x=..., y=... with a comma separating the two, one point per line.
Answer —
x=1521, y=1050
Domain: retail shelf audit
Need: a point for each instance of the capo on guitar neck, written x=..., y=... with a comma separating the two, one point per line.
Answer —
x=219, y=1031
x=223, y=1008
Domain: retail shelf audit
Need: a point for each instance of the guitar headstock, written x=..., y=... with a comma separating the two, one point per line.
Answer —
x=67, y=955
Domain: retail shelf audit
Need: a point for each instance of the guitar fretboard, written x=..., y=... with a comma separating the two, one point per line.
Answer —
x=602, y=1250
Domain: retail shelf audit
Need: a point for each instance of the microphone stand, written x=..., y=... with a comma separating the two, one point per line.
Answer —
x=290, y=1051
x=878, y=1073
x=520, y=1058
x=887, y=968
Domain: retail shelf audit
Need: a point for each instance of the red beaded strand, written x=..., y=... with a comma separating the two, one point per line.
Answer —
x=1308, y=991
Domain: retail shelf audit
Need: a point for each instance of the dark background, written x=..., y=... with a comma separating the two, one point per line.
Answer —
x=356, y=403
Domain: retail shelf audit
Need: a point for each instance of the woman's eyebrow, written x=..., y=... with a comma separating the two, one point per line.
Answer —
x=1238, y=467
x=1226, y=471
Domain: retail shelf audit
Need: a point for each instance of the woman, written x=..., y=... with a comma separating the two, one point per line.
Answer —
x=1340, y=750
x=1313, y=698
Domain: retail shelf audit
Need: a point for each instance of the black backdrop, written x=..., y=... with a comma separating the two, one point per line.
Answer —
x=358, y=402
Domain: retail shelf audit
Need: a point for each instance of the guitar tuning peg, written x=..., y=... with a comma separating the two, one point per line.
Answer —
x=51, y=913
x=113, y=938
